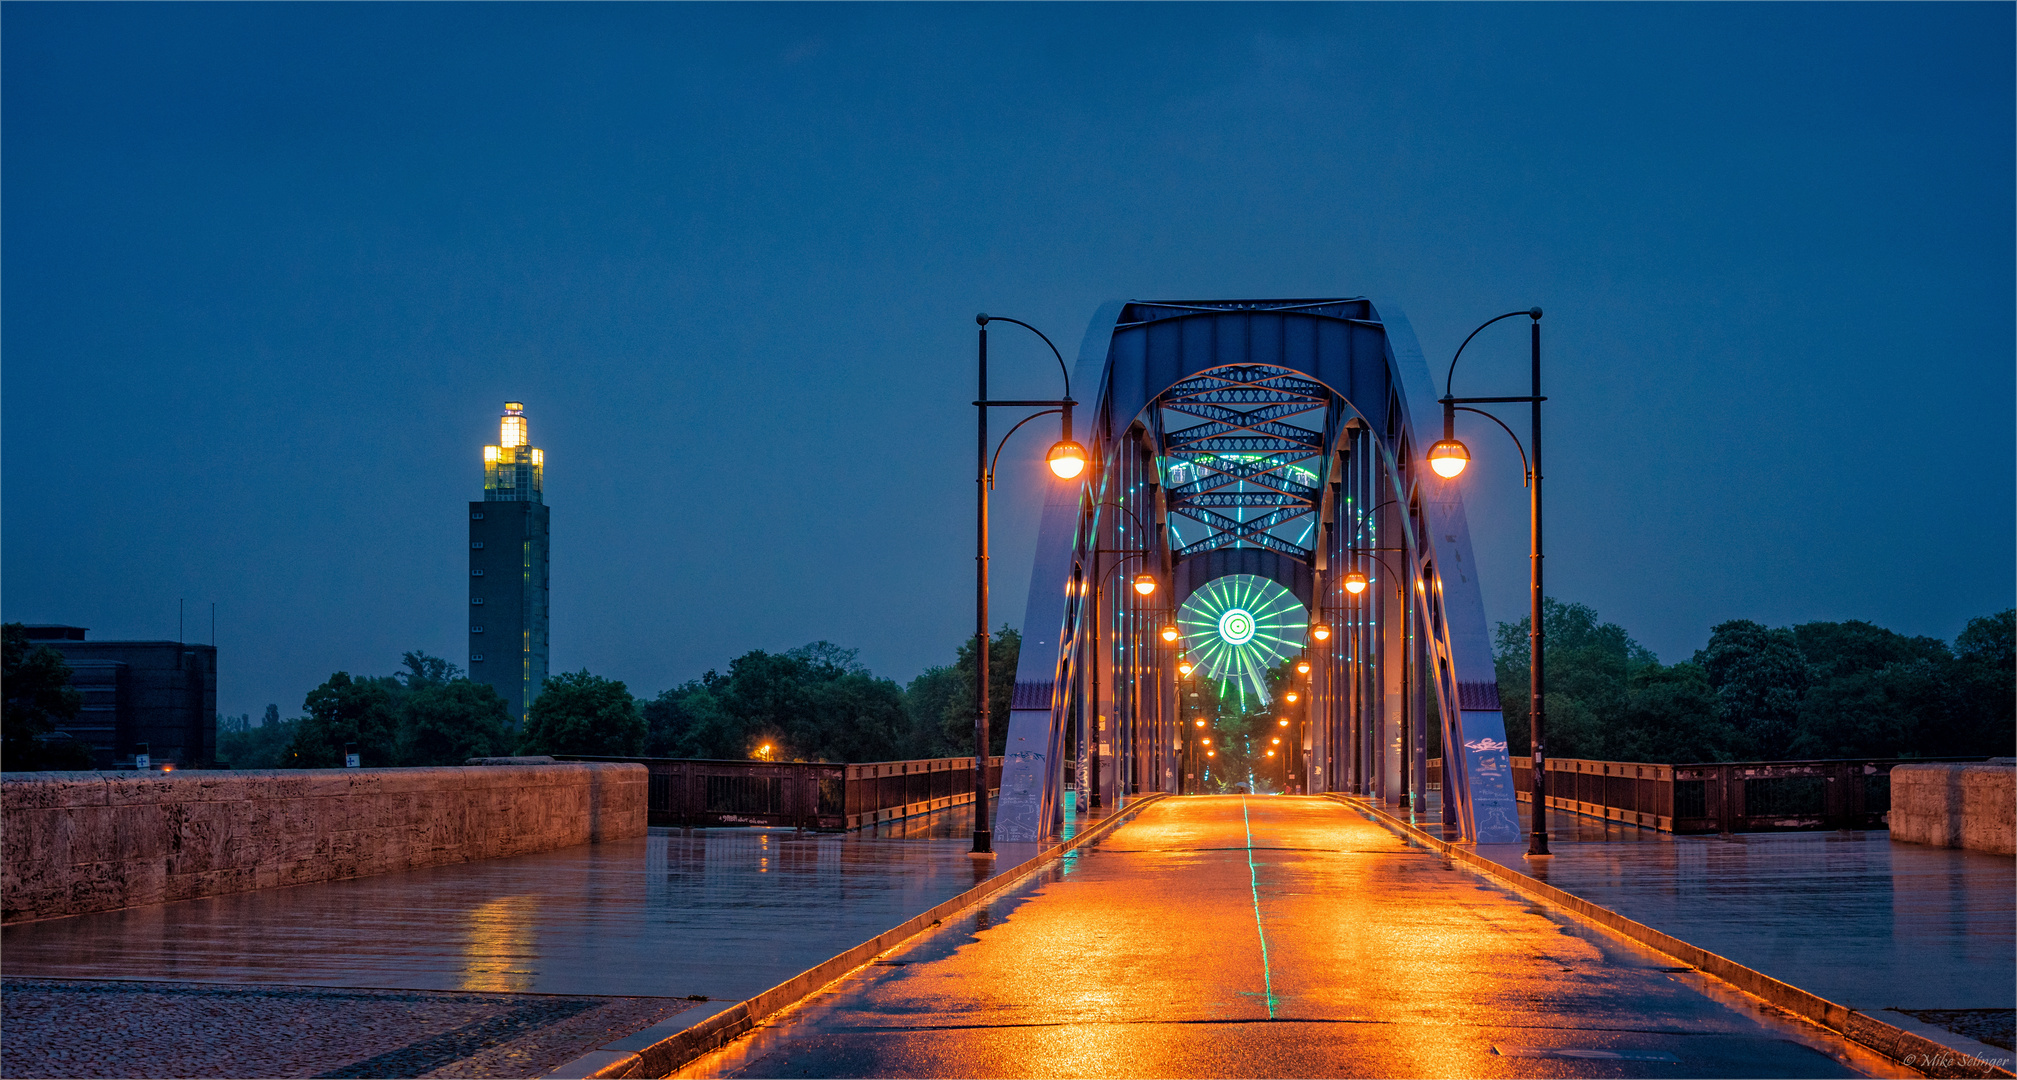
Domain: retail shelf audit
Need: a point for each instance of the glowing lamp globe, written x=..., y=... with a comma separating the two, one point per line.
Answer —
x=1284, y=722
x=1320, y=632
x=1067, y=459
x=1145, y=583
x=1169, y=633
x=1271, y=753
x=1201, y=723
x=1215, y=753
x=1302, y=667
x=1448, y=457
x=1185, y=669
x=1355, y=583
x=1291, y=695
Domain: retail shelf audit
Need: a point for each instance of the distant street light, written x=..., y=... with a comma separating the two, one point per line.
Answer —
x=1448, y=458
x=1145, y=583
x=1321, y=632
x=1302, y=667
x=1201, y=723
x=1067, y=460
x=1355, y=582
x=1169, y=633
x=1185, y=669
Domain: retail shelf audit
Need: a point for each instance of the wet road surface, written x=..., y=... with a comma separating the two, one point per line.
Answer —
x=1276, y=936
x=503, y=967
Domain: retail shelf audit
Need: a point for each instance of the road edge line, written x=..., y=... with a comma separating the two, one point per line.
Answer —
x=624, y=1059
x=1907, y=1048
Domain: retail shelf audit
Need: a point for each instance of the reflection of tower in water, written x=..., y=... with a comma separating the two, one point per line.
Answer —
x=498, y=950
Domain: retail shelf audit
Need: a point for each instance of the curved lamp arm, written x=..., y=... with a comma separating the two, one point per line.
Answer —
x=1447, y=379
x=1526, y=474
x=984, y=318
x=1399, y=590
x=1130, y=512
x=1004, y=442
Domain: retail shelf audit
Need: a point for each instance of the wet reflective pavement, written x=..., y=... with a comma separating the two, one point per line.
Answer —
x=1275, y=936
x=1852, y=916
x=504, y=967
x=722, y=913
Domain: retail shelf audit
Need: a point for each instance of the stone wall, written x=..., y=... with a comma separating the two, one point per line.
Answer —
x=1964, y=806
x=75, y=842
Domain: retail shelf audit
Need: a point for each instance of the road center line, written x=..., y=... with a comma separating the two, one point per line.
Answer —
x=1254, y=875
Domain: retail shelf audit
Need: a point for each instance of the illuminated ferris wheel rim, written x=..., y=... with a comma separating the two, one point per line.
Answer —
x=1238, y=626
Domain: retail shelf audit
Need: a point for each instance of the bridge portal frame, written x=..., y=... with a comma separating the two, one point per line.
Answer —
x=1096, y=690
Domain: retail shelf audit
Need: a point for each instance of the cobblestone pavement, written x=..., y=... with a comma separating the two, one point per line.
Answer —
x=82, y=1028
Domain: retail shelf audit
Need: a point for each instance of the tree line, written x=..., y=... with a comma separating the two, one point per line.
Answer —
x=817, y=702
x=1816, y=690
x=1754, y=693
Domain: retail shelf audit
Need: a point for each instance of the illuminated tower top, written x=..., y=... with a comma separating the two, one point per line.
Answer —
x=513, y=469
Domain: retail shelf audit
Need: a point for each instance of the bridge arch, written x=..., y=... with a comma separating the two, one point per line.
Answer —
x=1278, y=439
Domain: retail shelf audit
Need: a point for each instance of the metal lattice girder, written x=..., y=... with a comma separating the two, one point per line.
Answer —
x=1234, y=421
x=1254, y=531
x=1262, y=473
x=1308, y=442
x=1237, y=381
x=1227, y=499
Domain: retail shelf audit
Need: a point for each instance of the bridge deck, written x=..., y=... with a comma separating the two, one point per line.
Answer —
x=1228, y=935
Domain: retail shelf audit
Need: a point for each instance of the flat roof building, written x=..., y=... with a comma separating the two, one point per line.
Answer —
x=160, y=693
x=508, y=534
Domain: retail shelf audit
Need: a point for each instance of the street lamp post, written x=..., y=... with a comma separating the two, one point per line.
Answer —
x=1067, y=459
x=1448, y=459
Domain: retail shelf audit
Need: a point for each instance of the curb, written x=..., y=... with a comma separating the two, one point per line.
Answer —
x=1907, y=1048
x=671, y=1043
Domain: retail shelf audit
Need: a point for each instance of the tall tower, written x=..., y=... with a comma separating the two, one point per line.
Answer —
x=508, y=533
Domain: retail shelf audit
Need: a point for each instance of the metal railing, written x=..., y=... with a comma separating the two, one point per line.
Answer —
x=831, y=796
x=1725, y=797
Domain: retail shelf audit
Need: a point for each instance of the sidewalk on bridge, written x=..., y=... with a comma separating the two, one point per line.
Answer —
x=609, y=938
x=1921, y=937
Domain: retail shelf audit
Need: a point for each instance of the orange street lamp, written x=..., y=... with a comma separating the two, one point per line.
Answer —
x=1169, y=633
x=1145, y=583
x=1278, y=742
x=1448, y=457
x=1321, y=632
x=1201, y=723
x=1185, y=669
x=1355, y=582
x=1284, y=721
x=1271, y=753
x=1292, y=697
x=1211, y=753
x=1067, y=460
x=1302, y=667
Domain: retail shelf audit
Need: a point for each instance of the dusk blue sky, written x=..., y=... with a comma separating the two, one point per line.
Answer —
x=271, y=271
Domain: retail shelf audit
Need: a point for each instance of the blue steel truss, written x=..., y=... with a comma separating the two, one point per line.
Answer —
x=1276, y=438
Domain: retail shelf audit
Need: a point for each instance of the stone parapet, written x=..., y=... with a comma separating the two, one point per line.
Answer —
x=77, y=842
x=1970, y=806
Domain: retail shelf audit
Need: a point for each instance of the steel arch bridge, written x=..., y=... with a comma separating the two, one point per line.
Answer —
x=1270, y=446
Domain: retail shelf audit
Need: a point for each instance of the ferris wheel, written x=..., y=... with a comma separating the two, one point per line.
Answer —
x=1237, y=627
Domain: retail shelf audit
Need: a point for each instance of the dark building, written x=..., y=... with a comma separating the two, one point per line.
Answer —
x=508, y=568
x=162, y=693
